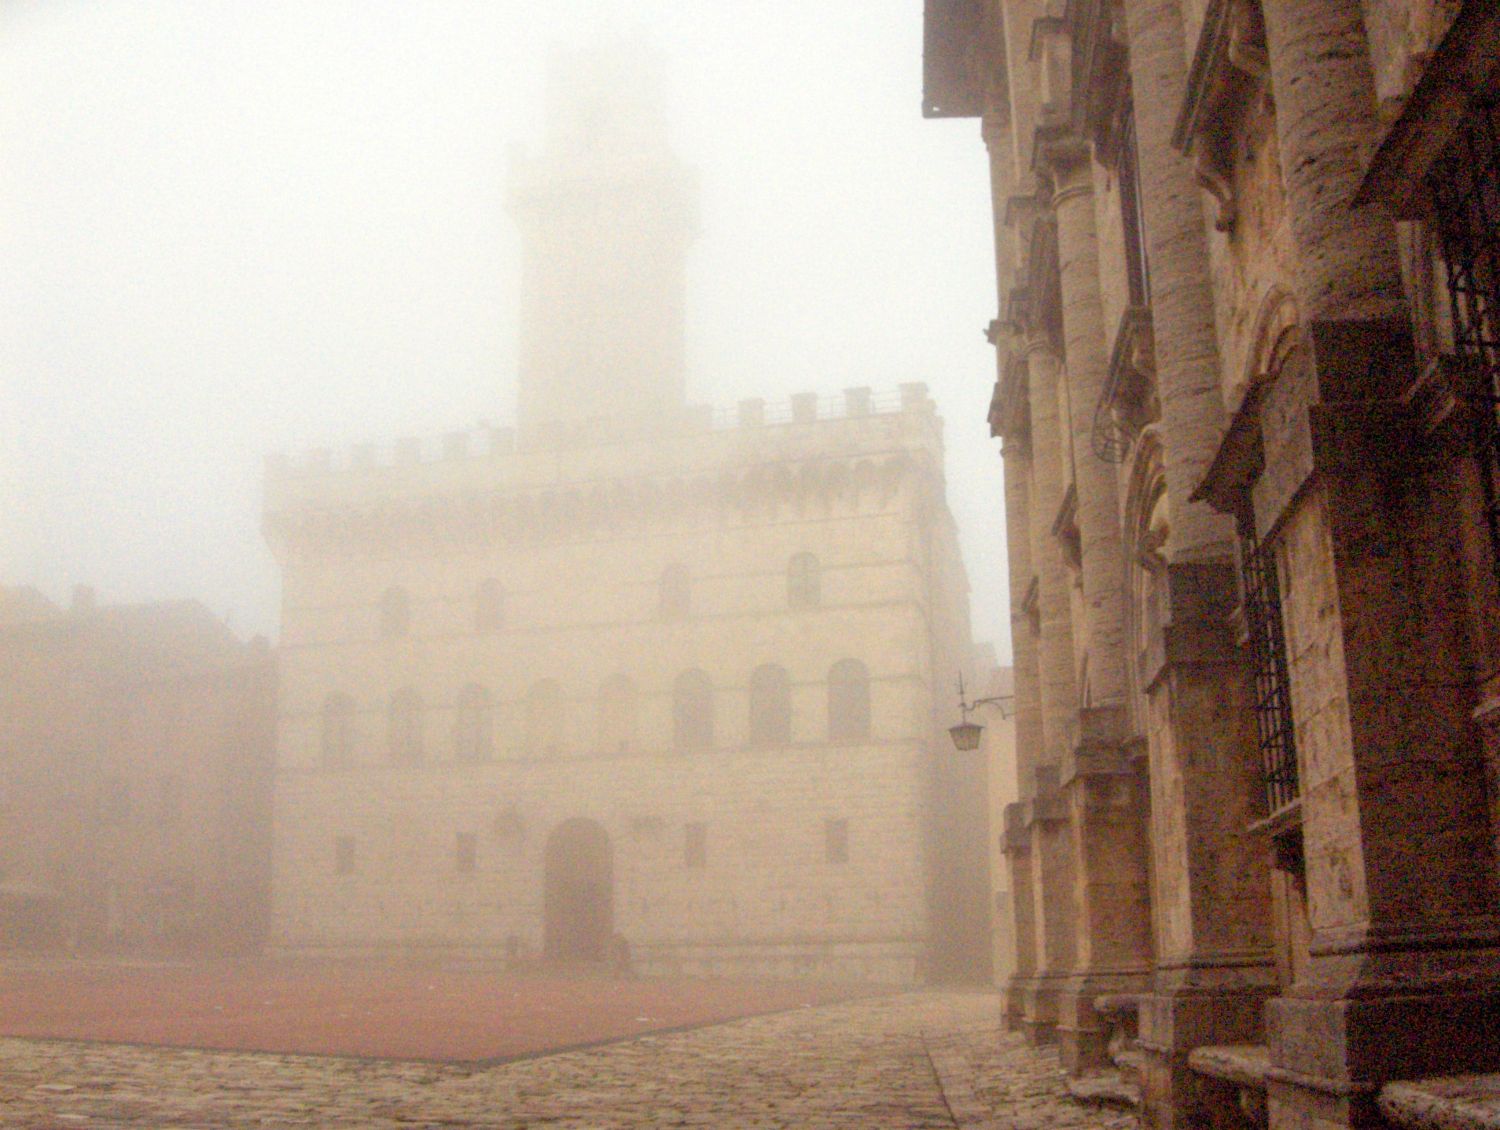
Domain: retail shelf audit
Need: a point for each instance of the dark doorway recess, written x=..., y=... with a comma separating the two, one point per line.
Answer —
x=579, y=892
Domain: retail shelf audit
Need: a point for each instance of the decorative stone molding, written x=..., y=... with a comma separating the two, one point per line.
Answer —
x=1101, y=74
x=1129, y=400
x=1228, y=72
x=475, y=518
x=1464, y=67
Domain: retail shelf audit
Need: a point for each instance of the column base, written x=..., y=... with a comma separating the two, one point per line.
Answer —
x=1014, y=1004
x=1082, y=1035
x=1039, y=1008
x=1330, y=1057
x=1176, y=1018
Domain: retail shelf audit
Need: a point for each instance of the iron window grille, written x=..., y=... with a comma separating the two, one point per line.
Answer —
x=1465, y=188
x=1273, y=700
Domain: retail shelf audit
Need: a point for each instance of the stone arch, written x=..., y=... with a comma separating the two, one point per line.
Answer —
x=1146, y=528
x=578, y=892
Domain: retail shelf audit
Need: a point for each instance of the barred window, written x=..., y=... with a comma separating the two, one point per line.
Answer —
x=1465, y=188
x=1273, y=701
x=848, y=701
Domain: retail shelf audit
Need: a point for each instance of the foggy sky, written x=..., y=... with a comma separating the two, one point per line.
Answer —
x=231, y=228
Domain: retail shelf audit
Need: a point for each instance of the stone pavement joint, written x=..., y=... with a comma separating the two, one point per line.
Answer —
x=879, y=1063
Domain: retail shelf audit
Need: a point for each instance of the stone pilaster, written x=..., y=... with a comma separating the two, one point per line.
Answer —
x=1049, y=842
x=1107, y=819
x=1022, y=893
x=1403, y=976
x=1212, y=883
x=1109, y=872
x=1054, y=911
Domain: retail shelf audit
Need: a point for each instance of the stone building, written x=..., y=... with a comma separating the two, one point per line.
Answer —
x=135, y=772
x=1248, y=270
x=635, y=676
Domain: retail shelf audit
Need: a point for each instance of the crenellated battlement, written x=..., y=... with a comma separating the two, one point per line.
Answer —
x=491, y=442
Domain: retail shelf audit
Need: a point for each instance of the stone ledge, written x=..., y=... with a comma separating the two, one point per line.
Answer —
x=1446, y=1102
x=1244, y=1065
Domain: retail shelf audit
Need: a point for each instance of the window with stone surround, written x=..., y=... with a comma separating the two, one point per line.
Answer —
x=770, y=706
x=803, y=581
x=338, y=730
x=836, y=841
x=395, y=612
x=473, y=725
x=848, y=701
x=404, y=730
x=1464, y=185
x=695, y=846
x=1267, y=641
x=343, y=855
x=693, y=712
x=489, y=606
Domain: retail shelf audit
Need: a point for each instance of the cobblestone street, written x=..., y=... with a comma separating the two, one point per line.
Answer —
x=916, y=1060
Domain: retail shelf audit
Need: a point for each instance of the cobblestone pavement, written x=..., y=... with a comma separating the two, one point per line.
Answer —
x=910, y=1061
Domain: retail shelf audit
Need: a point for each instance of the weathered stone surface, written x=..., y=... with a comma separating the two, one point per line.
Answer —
x=884, y=1063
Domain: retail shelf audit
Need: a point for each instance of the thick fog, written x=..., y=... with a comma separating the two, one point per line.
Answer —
x=231, y=229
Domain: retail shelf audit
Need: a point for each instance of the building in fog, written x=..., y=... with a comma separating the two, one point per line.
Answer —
x=636, y=675
x=1249, y=270
x=136, y=745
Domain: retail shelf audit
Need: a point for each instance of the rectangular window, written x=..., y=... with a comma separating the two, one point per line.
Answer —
x=695, y=846
x=464, y=853
x=1465, y=187
x=1273, y=699
x=343, y=855
x=836, y=841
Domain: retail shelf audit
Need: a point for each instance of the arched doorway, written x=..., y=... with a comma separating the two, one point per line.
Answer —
x=578, y=895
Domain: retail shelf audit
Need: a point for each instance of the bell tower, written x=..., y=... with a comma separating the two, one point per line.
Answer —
x=606, y=213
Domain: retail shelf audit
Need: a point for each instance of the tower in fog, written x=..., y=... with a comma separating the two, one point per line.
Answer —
x=637, y=677
x=606, y=213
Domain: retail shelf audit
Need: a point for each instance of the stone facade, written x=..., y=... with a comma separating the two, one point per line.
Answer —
x=636, y=677
x=135, y=783
x=1248, y=271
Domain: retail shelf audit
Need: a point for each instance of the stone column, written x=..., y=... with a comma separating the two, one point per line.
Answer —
x=1047, y=844
x=1028, y=708
x=1113, y=950
x=1403, y=977
x=1213, y=967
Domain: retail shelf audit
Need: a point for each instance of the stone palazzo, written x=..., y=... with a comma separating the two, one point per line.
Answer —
x=1248, y=258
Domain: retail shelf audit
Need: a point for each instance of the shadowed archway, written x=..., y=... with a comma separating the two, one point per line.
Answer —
x=578, y=895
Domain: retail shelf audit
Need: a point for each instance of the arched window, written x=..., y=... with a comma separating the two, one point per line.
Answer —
x=545, y=720
x=804, y=586
x=693, y=711
x=405, y=729
x=473, y=725
x=489, y=606
x=675, y=595
x=617, y=707
x=395, y=612
x=770, y=706
x=848, y=701
x=338, y=730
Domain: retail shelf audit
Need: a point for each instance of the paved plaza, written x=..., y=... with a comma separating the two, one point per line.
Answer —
x=906, y=1061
